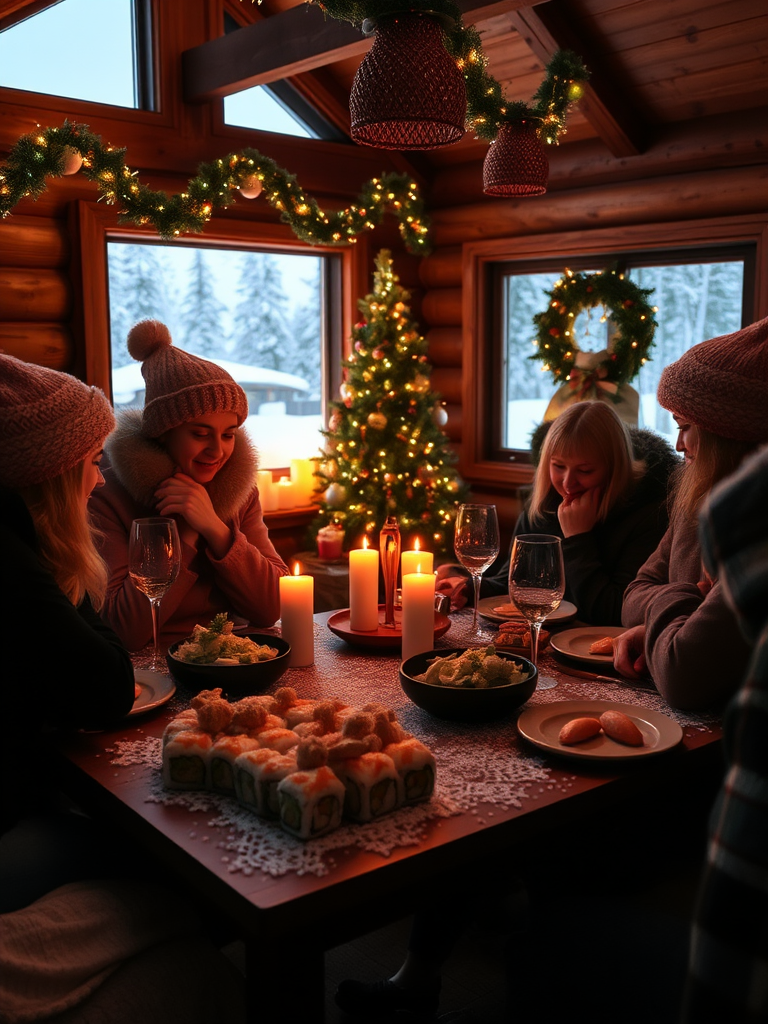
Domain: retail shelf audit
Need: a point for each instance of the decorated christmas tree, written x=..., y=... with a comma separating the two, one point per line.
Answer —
x=385, y=452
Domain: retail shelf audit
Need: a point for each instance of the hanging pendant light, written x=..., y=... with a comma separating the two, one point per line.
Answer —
x=515, y=164
x=408, y=92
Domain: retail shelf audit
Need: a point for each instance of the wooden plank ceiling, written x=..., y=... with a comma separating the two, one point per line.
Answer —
x=654, y=63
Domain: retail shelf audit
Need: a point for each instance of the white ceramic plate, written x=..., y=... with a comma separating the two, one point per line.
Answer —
x=486, y=607
x=575, y=643
x=542, y=723
x=156, y=689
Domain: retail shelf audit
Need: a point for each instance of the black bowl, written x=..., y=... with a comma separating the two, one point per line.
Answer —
x=234, y=680
x=465, y=704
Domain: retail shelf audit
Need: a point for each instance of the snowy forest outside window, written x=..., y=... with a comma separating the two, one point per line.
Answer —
x=699, y=295
x=261, y=315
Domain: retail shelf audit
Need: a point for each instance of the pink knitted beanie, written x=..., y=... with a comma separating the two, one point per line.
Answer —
x=722, y=384
x=179, y=386
x=49, y=422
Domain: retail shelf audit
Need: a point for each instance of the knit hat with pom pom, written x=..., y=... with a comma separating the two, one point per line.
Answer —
x=49, y=422
x=722, y=384
x=180, y=387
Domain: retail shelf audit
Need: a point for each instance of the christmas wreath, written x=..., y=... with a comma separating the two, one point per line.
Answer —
x=626, y=306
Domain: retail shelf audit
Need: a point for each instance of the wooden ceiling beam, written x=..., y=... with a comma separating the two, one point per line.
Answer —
x=294, y=41
x=548, y=29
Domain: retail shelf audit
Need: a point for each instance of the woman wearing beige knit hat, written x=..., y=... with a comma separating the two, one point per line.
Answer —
x=185, y=456
x=683, y=631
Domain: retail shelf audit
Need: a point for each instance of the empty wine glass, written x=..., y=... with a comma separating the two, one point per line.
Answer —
x=154, y=560
x=537, y=585
x=476, y=543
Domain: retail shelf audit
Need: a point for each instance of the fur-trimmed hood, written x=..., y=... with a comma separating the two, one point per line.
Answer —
x=140, y=463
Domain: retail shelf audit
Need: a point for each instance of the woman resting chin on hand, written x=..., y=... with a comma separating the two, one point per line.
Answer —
x=185, y=456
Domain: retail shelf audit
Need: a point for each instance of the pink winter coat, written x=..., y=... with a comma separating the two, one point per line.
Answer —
x=243, y=583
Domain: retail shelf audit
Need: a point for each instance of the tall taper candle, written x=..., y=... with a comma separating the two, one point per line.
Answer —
x=418, y=622
x=364, y=588
x=296, y=622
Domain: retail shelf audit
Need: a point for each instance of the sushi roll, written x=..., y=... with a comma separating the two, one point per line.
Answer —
x=312, y=798
x=257, y=774
x=415, y=764
x=372, y=783
x=185, y=760
x=221, y=761
x=183, y=722
x=278, y=739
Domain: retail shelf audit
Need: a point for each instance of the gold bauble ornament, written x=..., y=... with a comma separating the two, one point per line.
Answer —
x=377, y=420
x=251, y=187
x=72, y=160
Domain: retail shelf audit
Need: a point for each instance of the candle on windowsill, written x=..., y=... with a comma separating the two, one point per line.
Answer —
x=296, y=622
x=286, y=497
x=302, y=477
x=416, y=560
x=364, y=588
x=267, y=491
x=418, y=621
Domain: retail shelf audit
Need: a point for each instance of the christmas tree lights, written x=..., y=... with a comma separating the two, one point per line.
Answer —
x=385, y=452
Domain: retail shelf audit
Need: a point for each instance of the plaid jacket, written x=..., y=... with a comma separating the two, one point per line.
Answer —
x=728, y=969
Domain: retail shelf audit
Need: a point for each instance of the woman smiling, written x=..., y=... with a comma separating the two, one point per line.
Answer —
x=184, y=455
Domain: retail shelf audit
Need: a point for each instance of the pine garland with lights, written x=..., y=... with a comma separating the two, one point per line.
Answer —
x=626, y=306
x=52, y=152
x=487, y=109
x=385, y=452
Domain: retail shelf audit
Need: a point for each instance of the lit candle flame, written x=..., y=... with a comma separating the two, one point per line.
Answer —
x=297, y=569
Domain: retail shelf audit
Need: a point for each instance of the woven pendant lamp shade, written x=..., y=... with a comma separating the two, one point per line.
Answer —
x=408, y=93
x=515, y=164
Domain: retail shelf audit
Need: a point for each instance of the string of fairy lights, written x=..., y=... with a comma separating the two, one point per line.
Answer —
x=487, y=107
x=52, y=152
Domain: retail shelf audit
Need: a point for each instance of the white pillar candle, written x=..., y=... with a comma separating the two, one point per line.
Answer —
x=267, y=491
x=302, y=477
x=285, y=493
x=418, y=623
x=297, y=596
x=364, y=588
x=416, y=560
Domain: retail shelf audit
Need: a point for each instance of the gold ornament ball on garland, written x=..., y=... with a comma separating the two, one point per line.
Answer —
x=251, y=187
x=335, y=421
x=72, y=161
x=377, y=420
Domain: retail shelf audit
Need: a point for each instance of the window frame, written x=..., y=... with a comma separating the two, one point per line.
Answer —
x=481, y=459
x=92, y=226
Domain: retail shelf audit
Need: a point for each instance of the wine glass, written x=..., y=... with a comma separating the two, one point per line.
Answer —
x=154, y=560
x=476, y=543
x=537, y=585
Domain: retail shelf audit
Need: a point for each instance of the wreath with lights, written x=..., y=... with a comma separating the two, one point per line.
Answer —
x=626, y=305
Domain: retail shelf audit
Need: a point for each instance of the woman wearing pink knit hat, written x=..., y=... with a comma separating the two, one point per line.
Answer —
x=683, y=631
x=185, y=456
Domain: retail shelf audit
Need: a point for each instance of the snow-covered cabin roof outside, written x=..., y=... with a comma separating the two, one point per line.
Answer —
x=127, y=381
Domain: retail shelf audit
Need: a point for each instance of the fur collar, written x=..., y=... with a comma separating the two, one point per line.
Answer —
x=140, y=463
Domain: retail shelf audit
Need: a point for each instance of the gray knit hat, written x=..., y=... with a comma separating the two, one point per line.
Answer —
x=49, y=422
x=179, y=386
x=722, y=384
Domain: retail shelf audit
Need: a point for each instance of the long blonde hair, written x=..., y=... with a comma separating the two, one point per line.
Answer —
x=589, y=431
x=716, y=458
x=66, y=537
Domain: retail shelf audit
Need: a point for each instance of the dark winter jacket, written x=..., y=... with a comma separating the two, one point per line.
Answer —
x=601, y=563
x=62, y=666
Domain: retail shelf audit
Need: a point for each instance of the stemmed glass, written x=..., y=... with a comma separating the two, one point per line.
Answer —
x=537, y=585
x=154, y=560
x=476, y=543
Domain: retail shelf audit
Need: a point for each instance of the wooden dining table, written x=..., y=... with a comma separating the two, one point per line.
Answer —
x=290, y=901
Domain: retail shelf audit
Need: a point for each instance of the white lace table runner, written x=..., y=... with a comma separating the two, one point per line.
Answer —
x=479, y=766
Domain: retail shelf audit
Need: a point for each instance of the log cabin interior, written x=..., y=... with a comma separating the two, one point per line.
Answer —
x=665, y=150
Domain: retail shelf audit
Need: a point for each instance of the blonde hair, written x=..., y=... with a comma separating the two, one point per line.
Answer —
x=591, y=431
x=716, y=458
x=66, y=537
